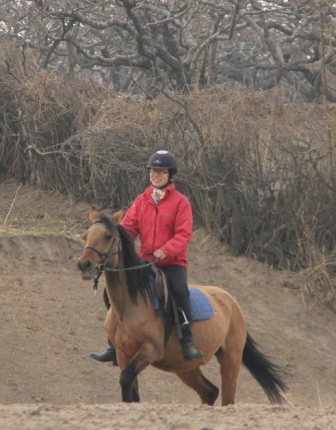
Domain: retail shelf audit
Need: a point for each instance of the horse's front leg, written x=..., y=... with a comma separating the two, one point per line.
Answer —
x=135, y=391
x=146, y=355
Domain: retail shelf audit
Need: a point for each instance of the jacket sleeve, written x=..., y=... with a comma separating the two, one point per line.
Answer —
x=130, y=220
x=183, y=230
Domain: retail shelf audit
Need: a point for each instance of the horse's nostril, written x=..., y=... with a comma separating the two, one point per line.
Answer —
x=84, y=266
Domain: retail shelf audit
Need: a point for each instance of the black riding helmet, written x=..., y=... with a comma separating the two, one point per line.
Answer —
x=163, y=160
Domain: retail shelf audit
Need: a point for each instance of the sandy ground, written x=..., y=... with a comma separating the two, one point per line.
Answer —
x=165, y=416
x=50, y=321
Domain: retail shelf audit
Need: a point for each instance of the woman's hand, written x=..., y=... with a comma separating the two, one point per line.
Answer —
x=159, y=254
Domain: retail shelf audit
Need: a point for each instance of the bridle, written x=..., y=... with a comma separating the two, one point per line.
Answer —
x=102, y=267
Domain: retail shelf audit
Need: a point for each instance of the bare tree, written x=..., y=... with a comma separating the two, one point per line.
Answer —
x=144, y=46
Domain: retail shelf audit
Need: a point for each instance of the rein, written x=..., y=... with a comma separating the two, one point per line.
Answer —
x=150, y=263
x=102, y=268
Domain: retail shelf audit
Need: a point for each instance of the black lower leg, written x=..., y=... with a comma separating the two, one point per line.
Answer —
x=135, y=391
x=189, y=352
x=178, y=285
x=127, y=377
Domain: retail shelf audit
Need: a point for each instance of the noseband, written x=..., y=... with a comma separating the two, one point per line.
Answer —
x=101, y=255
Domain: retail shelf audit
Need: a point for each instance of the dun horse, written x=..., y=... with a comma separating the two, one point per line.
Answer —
x=142, y=337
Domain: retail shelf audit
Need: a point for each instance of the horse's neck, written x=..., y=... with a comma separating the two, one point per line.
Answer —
x=116, y=286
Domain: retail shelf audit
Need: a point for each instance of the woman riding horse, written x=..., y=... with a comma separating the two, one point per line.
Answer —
x=143, y=337
x=162, y=217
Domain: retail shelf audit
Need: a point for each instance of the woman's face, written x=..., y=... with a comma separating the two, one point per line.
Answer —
x=159, y=177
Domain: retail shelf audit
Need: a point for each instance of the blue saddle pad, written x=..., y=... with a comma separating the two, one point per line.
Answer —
x=201, y=307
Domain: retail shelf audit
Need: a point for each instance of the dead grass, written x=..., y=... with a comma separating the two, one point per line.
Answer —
x=42, y=226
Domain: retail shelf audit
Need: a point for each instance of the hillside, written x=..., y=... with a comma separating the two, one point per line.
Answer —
x=50, y=322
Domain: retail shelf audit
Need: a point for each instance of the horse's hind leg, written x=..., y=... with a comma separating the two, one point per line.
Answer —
x=195, y=379
x=229, y=369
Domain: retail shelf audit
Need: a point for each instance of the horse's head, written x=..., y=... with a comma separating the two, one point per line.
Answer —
x=101, y=243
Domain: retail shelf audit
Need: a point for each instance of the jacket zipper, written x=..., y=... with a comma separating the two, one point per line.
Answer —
x=156, y=214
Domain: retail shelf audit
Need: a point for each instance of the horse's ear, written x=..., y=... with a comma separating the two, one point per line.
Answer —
x=93, y=214
x=117, y=217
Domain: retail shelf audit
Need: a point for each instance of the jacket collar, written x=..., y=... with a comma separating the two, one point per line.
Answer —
x=169, y=190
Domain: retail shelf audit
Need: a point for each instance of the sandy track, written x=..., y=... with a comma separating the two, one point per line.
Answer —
x=162, y=417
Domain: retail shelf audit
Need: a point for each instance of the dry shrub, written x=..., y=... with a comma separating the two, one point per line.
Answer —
x=319, y=281
x=259, y=173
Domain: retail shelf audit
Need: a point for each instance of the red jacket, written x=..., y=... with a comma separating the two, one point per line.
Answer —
x=166, y=226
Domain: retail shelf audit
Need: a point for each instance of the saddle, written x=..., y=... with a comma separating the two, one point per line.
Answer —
x=160, y=286
x=201, y=307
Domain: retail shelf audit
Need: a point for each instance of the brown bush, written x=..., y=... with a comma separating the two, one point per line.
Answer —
x=259, y=173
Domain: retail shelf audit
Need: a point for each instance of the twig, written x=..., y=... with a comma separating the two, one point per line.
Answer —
x=10, y=209
x=43, y=153
x=318, y=393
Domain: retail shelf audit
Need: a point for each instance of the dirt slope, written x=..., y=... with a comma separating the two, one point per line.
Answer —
x=50, y=321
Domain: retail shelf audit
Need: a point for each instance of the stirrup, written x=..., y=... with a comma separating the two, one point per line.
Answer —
x=185, y=322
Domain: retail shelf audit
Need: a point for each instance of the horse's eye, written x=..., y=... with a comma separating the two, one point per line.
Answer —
x=108, y=237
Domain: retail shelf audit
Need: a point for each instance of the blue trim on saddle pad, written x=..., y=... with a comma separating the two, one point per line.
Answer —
x=201, y=307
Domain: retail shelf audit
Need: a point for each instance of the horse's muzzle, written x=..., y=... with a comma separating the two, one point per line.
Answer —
x=86, y=269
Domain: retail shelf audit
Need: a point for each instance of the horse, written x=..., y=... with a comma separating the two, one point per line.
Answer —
x=142, y=337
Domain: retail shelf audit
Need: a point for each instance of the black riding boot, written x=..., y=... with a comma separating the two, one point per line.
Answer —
x=178, y=285
x=189, y=352
x=109, y=355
